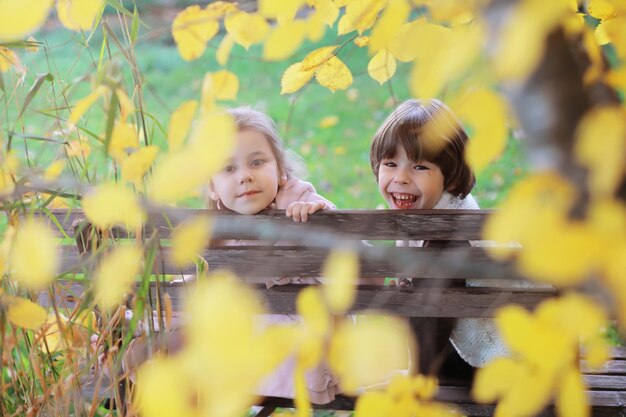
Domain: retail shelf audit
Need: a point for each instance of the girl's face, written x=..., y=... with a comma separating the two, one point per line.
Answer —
x=249, y=182
x=407, y=184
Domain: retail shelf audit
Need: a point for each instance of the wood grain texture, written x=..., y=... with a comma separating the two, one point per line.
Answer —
x=352, y=224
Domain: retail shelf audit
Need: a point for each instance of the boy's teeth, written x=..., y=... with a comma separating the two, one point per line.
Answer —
x=404, y=200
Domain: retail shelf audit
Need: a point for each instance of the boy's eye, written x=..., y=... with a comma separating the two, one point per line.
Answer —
x=229, y=168
x=389, y=164
x=420, y=168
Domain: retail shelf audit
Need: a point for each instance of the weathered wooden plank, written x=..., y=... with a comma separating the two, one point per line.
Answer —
x=605, y=403
x=359, y=224
x=605, y=382
x=411, y=302
x=289, y=261
x=612, y=367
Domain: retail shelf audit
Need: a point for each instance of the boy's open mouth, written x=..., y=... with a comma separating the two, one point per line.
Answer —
x=403, y=201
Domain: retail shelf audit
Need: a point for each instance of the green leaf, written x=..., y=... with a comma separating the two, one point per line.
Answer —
x=110, y=122
x=34, y=89
x=1, y=82
x=134, y=26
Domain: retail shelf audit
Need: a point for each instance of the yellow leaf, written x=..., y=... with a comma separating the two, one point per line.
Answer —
x=78, y=149
x=78, y=14
x=425, y=387
x=54, y=170
x=315, y=27
x=223, y=51
x=34, y=255
x=576, y=314
x=369, y=351
x=245, y=28
x=180, y=123
x=373, y=404
x=301, y=400
x=18, y=19
x=311, y=307
x=124, y=139
x=283, y=11
x=334, y=75
x=8, y=58
x=529, y=394
x=192, y=29
x=606, y=162
x=522, y=41
x=318, y=57
x=328, y=121
x=219, y=9
x=220, y=85
x=327, y=10
x=361, y=41
x=222, y=295
x=361, y=14
x=182, y=172
x=382, y=66
x=486, y=113
x=617, y=78
x=441, y=55
x=601, y=33
x=597, y=352
x=163, y=389
x=615, y=31
x=341, y=271
x=283, y=41
x=126, y=104
x=5, y=249
x=294, y=78
x=394, y=16
x=572, y=399
x=189, y=239
x=527, y=199
x=561, y=240
x=109, y=205
x=601, y=9
x=81, y=107
x=135, y=166
x=344, y=26
x=116, y=274
x=24, y=313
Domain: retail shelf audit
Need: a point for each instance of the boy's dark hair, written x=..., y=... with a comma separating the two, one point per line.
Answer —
x=427, y=130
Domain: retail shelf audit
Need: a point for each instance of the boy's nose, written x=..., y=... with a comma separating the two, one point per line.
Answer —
x=401, y=177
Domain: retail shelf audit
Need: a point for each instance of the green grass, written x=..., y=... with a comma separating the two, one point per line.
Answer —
x=337, y=157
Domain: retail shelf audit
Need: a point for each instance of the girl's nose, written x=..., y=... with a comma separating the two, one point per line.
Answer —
x=245, y=177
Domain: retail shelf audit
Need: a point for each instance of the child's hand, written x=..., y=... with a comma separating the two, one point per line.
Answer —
x=300, y=211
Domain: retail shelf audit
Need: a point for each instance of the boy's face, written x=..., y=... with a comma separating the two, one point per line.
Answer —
x=407, y=184
x=249, y=182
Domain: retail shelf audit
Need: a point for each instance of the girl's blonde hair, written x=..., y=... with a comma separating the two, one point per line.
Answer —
x=290, y=164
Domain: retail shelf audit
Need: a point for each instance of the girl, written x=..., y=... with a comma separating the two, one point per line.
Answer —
x=260, y=175
x=417, y=159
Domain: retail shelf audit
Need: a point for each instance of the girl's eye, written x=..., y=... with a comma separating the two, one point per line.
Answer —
x=257, y=162
x=421, y=168
x=229, y=168
x=389, y=164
